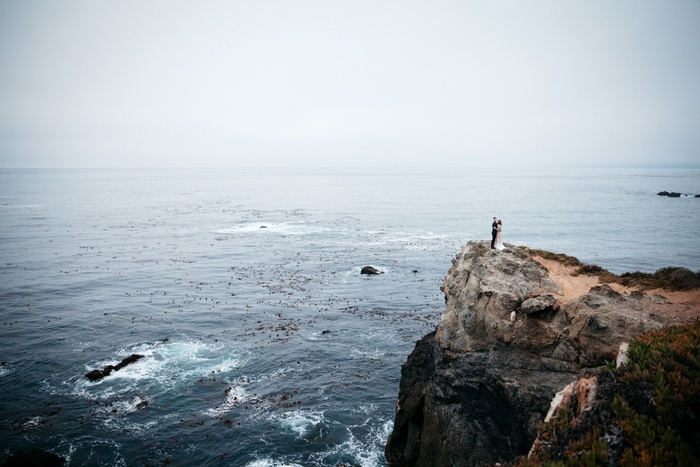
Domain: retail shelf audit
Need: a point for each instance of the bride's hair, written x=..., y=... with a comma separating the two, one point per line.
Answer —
x=499, y=222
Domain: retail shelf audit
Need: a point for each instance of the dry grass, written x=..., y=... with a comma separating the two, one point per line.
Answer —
x=671, y=278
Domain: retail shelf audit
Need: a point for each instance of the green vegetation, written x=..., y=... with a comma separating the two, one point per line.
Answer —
x=672, y=278
x=645, y=414
x=559, y=257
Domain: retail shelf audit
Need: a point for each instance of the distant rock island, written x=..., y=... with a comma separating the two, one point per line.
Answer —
x=519, y=327
x=674, y=194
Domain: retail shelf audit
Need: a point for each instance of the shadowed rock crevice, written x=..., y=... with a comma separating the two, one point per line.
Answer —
x=34, y=458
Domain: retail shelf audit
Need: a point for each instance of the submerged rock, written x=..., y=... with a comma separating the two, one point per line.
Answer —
x=95, y=375
x=369, y=270
x=476, y=389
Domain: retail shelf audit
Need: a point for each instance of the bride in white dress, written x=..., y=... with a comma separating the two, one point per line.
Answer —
x=499, y=237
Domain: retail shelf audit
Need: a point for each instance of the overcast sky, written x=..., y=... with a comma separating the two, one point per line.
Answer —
x=332, y=83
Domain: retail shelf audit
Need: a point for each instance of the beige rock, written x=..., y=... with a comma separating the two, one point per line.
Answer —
x=505, y=297
x=483, y=288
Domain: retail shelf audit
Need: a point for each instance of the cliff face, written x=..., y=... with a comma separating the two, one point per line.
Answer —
x=476, y=389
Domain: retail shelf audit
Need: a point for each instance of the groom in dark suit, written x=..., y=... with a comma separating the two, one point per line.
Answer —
x=494, y=232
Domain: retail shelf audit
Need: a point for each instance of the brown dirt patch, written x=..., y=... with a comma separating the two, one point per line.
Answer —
x=684, y=306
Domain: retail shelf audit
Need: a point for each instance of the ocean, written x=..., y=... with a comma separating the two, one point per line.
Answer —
x=264, y=345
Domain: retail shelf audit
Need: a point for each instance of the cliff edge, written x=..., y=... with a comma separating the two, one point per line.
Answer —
x=511, y=337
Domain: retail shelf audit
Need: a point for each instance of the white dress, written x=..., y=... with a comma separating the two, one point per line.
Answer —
x=499, y=239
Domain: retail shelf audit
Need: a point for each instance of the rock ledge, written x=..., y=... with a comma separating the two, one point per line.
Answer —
x=476, y=390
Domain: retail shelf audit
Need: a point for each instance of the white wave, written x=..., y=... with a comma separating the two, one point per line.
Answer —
x=299, y=421
x=407, y=241
x=121, y=424
x=115, y=415
x=366, y=452
x=283, y=228
x=375, y=335
x=366, y=354
x=282, y=372
x=270, y=463
x=166, y=365
x=235, y=395
x=86, y=445
x=125, y=406
x=32, y=422
x=412, y=237
x=4, y=371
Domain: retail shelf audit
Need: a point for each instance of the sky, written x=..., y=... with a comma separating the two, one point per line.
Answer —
x=350, y=83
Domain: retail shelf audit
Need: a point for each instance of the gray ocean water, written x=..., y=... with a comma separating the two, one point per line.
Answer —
x=263, y=344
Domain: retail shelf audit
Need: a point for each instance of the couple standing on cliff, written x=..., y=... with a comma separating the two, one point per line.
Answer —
x=496, y=238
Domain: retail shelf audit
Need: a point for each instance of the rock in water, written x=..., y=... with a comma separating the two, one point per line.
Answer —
x=476, y=389
x=370, y=270
x=128, y=360
x=95, y=375
x=34, y=458
x=672, y=194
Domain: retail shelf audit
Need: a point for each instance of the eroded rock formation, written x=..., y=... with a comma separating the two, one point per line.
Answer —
x=476, y=389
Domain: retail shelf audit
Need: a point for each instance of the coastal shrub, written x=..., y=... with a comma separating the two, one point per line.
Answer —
x=591, y=269
x=559, y=257
x=604, y=275
x=683, y=278
x=674, y=278
x=645, y=413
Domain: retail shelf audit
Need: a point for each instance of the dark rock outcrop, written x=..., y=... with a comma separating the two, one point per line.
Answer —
x=476, y=389
x=369, y=270
x=671, y=194
x=95, y=375
x=482, y=406
x=34, y=458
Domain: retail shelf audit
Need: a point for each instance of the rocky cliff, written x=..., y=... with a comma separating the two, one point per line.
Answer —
x=476, y=390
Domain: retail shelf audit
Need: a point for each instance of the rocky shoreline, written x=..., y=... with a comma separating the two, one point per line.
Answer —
x=512, y=335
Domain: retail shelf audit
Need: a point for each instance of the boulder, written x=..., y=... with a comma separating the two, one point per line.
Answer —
x=539, y=303
x=369, y=270
x=482, y=288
